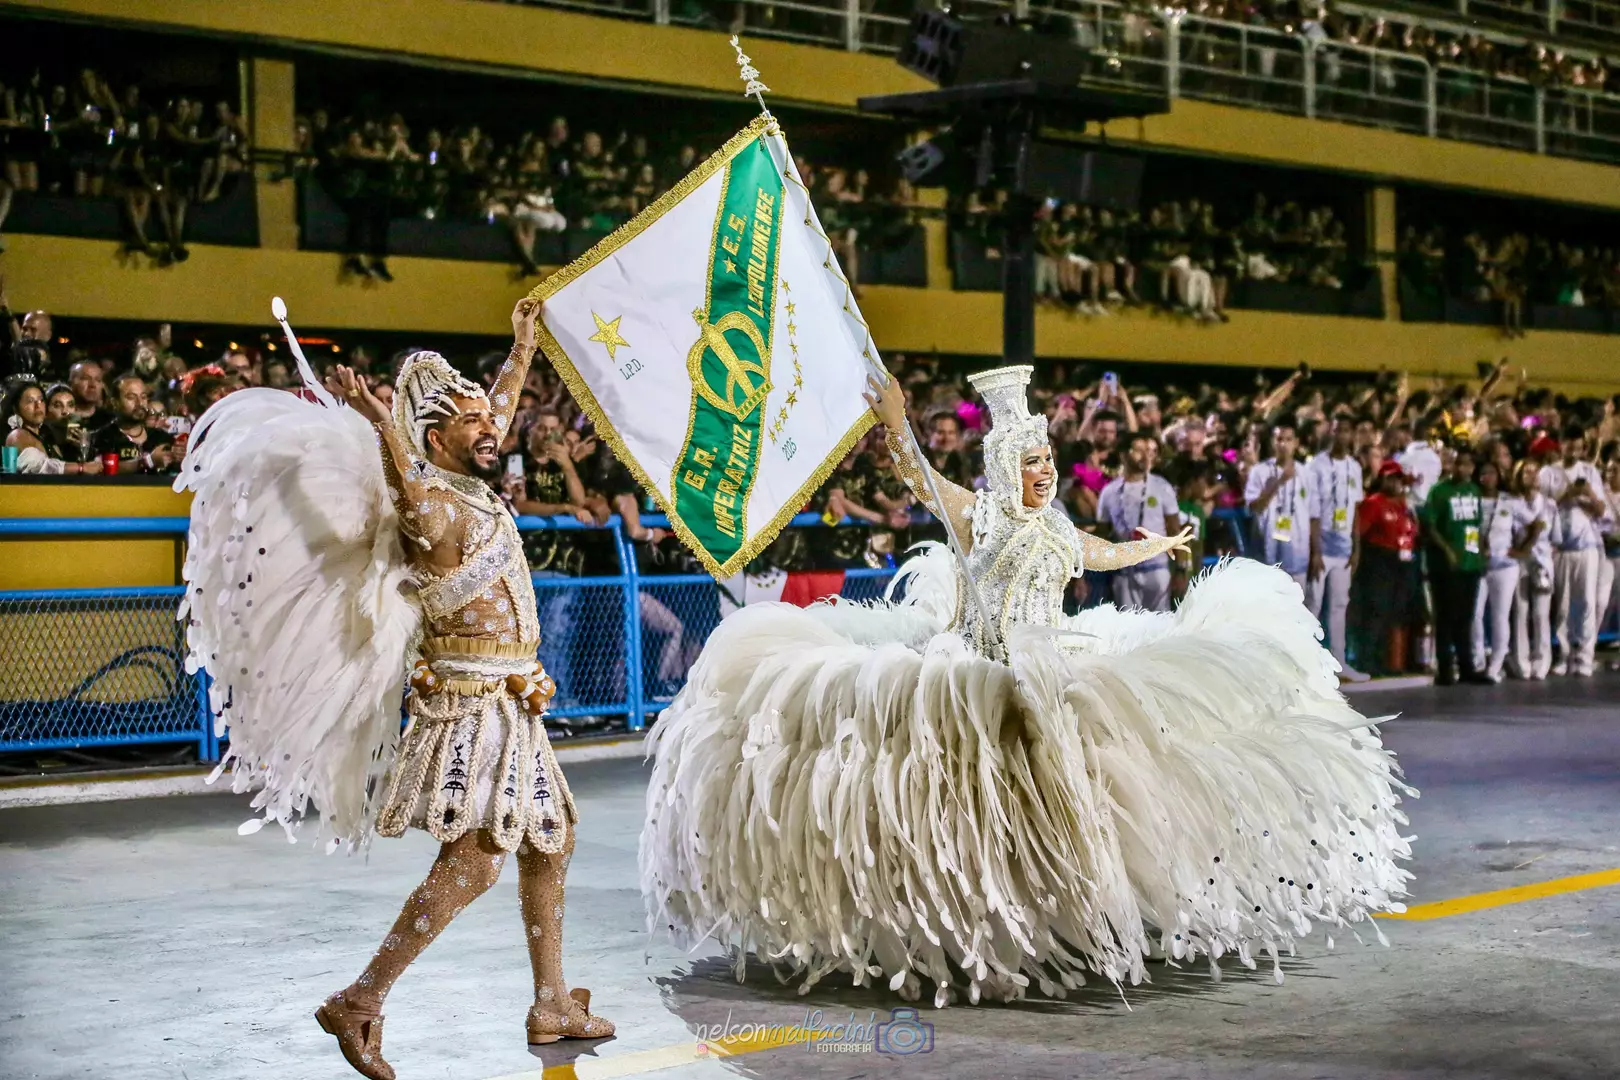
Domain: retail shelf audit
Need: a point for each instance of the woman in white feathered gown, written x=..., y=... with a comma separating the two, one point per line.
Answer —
x=904, y=792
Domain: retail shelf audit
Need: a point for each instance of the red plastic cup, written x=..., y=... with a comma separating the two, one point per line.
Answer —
x=109, y=464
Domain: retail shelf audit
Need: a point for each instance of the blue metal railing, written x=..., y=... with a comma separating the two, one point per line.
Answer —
x=105, y=666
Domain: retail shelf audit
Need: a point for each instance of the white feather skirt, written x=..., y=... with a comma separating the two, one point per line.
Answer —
x=851, y=788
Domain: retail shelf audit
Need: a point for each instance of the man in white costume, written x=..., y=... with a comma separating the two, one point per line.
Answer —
x=1140, y=500
x=303, y=508
x=1576, y=486
x=1337, y=478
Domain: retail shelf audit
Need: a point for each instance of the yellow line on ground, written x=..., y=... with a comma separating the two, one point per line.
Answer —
x=641, y=1062
x=1462, y=905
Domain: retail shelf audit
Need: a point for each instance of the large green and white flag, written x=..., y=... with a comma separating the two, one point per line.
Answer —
x=717, y=348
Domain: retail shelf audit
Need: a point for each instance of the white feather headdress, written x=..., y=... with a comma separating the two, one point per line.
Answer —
x=1012, y=429
x=426, y=391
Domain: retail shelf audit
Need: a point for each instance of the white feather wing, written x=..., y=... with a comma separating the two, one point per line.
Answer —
x=299, y=604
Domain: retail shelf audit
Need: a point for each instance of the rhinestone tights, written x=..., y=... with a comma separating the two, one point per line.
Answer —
x=540, y=890
x=465, y=870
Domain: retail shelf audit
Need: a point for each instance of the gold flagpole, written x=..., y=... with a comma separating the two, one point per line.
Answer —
x=753, y=87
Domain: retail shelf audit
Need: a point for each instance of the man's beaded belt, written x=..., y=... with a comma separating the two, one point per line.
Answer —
x=434, y=647
x=532, y=686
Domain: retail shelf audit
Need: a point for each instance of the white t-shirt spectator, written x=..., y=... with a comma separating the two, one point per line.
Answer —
x=1538, y=561
x=1504, y=517
x=1339, y=483
x=1127, y=505
x=1422, y=462
x=1578, y=530
x=1285, y=524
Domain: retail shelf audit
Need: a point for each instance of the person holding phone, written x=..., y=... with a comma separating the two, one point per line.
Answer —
x=1493, y=609
x=1534, y=533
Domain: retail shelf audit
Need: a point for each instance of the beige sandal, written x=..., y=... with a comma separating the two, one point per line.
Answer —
x=546, y=1026
x=360, y=1038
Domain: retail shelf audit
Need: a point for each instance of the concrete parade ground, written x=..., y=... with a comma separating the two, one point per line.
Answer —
x=144, y=939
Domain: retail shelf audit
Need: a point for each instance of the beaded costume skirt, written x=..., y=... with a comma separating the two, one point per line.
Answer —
x=473, y=758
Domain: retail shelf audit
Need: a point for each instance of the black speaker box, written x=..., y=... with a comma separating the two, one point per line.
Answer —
x=1092, y=177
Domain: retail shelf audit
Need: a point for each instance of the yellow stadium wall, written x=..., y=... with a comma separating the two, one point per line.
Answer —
x=71, y=562
x=46, y=654
x=233, y=286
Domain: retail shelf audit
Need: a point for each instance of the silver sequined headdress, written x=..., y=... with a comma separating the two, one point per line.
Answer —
x=1012, y=429
x=425, y=393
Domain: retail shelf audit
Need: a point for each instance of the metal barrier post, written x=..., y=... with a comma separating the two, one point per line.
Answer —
x=1310, y=79
x=1541, y=120
x=1172, y=56
x=636, y=712
x=852, y=25
x=1431, y=100
x=208, y=742
x=660, y=10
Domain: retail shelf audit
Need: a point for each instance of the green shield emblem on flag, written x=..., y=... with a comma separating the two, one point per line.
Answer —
x=730, y=358
x=715, y=345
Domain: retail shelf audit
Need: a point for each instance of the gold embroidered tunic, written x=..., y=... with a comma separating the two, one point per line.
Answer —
x=472, y=757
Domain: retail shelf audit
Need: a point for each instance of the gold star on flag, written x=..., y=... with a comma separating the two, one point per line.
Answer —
x=607, y=332
x=790, y=309
x=731, y=267
x=791, y=328
x=793, y=398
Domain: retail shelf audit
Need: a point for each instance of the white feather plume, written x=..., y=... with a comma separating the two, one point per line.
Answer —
x=299, y=605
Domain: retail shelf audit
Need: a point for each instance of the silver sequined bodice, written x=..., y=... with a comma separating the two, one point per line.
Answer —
x=490, y=593
x=1022, y=566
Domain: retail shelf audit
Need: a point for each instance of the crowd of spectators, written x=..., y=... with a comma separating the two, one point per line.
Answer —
x=1510, y=267
x=1493, y=56
x=1459, y=526
x=74, y=414
x=1181, y=255
x=87, y=137
x=533, y=183
x=1464, y=526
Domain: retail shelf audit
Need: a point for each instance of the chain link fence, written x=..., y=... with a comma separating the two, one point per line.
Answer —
x=83, y=668
x=86, y=668
x=96, y=667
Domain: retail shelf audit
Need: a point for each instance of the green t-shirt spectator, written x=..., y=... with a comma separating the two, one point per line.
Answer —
x=1455, y=514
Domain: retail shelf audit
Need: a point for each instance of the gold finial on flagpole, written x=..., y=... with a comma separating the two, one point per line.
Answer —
x=750, y=77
